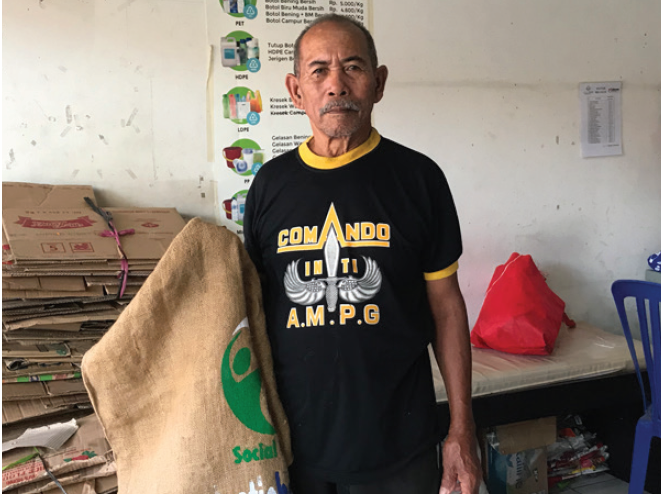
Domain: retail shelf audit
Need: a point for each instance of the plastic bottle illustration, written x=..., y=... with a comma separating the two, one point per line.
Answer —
x=233, y=108
x=242, y=51
x=242, y=108
x=229, y=53
x=241, y=206
x=253, y=48
x=235, y=209
x=226, y=106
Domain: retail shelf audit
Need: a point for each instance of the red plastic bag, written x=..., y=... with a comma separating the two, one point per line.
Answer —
x=520, y=314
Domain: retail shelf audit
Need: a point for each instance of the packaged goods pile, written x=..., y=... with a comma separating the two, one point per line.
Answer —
x=577, y=452
x=69, y=269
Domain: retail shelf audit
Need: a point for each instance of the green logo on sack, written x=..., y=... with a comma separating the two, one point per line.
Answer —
x=243, y=395
x=259, y=453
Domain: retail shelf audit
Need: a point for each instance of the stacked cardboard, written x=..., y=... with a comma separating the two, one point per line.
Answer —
x=67, y=274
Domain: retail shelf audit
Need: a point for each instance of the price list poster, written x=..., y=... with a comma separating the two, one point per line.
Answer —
x=250, y=117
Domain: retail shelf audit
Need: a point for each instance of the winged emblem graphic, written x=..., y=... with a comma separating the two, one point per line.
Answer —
x=347, y=288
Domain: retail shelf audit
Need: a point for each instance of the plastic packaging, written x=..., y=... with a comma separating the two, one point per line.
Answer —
x=242, y=109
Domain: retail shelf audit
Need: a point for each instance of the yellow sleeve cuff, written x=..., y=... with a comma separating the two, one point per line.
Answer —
x=443, y=273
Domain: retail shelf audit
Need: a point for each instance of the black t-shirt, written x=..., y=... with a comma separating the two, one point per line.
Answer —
x=344, y=246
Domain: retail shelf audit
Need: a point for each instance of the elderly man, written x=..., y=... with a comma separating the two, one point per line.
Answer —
x=357, y=241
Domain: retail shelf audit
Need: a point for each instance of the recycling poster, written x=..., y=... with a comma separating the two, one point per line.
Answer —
x=250, y=117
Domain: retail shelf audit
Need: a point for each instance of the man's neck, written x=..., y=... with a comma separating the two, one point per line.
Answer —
x=331, y=147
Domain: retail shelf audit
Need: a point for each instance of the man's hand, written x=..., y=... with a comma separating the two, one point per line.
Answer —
x=461, y=465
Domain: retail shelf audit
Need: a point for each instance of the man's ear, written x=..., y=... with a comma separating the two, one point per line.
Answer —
x=291, y=81
x=381, y=76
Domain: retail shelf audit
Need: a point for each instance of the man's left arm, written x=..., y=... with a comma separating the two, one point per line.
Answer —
x=453, y=354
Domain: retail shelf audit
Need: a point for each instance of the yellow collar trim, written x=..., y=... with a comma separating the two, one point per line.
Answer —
x=324, y=163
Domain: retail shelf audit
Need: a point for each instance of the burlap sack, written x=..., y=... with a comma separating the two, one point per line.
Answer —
x=183, y=382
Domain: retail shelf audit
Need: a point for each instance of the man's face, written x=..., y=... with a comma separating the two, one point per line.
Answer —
x=336, y=84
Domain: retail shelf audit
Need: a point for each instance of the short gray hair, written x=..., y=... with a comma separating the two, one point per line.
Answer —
x=338, y=19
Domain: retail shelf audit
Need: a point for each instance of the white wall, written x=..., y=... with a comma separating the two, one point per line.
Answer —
x=488, y=89
x=108, y=63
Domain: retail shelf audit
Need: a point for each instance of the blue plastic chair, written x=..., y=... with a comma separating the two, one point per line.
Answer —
x=649, y=425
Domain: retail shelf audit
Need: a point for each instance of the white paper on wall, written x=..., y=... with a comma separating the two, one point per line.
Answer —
x=601, y=118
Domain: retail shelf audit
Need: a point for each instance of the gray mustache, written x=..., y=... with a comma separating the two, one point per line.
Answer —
x=344, y=105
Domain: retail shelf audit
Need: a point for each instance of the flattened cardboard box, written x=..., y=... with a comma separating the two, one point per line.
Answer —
x=45, y=337
x=155, y=228
x=48, y=350
x=28, y=309
x=78, y=349
x=15, y=411
x=28, y=195
x=65, y=387
x=92, y=291
x=66, y=234
x=55, y=267
x=70, y=327
x=39, y=310
x=23, y=391
x=109, y=315
x=27, y=304
x=57, y=234
x=38, y=390
x=37, y=370
x=47, y=283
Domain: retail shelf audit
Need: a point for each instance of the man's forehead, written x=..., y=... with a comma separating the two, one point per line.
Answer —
x=329, y=34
